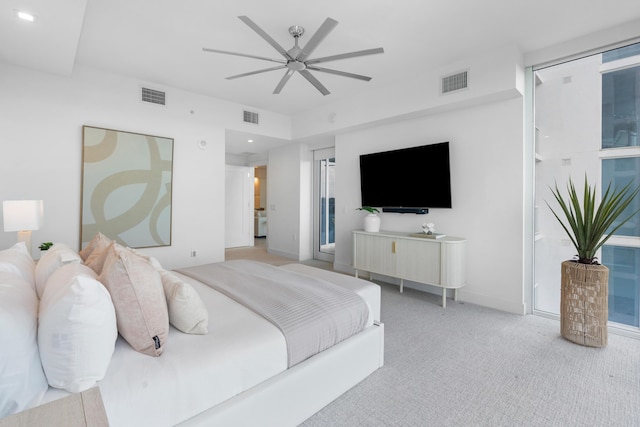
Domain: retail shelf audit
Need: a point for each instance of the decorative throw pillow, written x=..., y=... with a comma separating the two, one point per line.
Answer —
x=58, y=255
x=17, y=260
x=187, y=312
x=138, y=297
x=99, y=240
x=153, y=261
x=77, y=328
x=22, y=381
x=99, y=255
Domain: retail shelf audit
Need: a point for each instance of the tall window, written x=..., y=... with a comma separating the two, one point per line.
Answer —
x=587, y=114
x=621, y=164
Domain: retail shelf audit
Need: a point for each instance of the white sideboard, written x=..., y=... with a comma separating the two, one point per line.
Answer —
x=439, y=262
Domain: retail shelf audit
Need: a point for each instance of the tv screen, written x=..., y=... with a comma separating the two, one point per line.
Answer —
x=416, y=177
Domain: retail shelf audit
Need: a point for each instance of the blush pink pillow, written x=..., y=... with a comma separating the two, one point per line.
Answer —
x=138, y=297
x=99, y=241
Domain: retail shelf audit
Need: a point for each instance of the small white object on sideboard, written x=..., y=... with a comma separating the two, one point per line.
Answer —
x=439, y=262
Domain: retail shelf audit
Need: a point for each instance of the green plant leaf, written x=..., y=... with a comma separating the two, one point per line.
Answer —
x=587, y=221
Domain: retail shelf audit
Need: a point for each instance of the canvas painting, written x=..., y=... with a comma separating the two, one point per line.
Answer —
x=126, y=187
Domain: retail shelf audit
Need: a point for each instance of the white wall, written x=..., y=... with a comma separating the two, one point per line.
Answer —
x=485, y=127
x=41, y=118
x=486, y=180
x=289, y=223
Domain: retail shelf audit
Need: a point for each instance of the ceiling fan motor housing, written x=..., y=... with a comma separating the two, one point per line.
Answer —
x=296, y=30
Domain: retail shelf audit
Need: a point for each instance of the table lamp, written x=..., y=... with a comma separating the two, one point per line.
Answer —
x=22, y=216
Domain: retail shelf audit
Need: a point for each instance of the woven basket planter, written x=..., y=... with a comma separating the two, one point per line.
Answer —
x=584, y=310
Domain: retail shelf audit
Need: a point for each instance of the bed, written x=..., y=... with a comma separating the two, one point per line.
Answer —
x=240, y=372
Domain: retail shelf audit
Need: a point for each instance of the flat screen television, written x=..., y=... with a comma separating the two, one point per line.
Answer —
x=407, y=180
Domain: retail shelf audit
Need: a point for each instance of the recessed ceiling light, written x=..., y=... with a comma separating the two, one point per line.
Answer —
x=249, y=140
x=25, y=16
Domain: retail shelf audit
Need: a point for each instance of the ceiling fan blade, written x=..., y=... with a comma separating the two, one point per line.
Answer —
x=346, y=55
x=255, y=72
x=265, y=36
x=340, y=73
x=283, y=81
x=327, y=26
x=280, y=61
x=307, y=75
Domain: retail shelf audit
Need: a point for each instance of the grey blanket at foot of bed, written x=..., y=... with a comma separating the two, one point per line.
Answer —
x=312, y=314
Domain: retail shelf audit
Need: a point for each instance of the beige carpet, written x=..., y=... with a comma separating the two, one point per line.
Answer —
x=256, y=254
x=259, y=253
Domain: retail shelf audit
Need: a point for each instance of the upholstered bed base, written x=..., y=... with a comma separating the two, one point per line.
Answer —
x=294, y=395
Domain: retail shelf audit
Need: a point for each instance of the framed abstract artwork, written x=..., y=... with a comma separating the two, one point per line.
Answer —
x=126, y=187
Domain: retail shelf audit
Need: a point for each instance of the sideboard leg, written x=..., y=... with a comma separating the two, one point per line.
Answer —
x=401, y=285
x=444, y=297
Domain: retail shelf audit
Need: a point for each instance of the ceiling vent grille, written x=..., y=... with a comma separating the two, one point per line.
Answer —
x=454, y=82
x=250, y=117
x=153, y=96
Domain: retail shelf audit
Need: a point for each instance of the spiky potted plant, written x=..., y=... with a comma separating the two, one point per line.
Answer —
x=584, y=293
x=372, y=220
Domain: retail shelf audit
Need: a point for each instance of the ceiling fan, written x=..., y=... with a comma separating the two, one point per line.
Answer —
x=297, y=58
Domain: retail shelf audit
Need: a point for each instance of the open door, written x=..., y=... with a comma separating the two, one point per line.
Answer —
x=238, y=206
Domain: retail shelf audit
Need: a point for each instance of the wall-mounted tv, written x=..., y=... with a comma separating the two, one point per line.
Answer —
x=407, y=180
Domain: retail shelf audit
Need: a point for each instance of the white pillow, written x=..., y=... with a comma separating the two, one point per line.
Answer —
x=77, y=328
x=22, y=381
x=187, y=312
x=17, y=260
x=58, y=255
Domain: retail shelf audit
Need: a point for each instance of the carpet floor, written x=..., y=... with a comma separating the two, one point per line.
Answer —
x=468, y=365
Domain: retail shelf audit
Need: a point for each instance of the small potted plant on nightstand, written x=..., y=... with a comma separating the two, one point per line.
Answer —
x=45, y=246
x=372, y=220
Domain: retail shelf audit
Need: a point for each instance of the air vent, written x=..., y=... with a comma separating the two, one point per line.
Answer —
x=454, y=82
x=153, y=96
x=250, y=117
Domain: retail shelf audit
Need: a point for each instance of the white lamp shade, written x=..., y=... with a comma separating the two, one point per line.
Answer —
x=22, y=215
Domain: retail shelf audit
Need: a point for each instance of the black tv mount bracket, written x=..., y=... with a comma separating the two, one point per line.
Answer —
x=417, y=211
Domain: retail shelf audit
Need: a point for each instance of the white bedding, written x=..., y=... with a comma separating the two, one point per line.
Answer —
x=240, y=351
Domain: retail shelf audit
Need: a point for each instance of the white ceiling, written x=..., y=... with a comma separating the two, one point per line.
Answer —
x=161, y=41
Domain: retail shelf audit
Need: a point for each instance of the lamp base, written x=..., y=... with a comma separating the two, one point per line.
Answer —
x=25, y=236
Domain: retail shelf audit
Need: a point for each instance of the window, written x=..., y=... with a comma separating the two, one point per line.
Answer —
x=621, y=165
x=619, y=172
x=587, y=114
x=624, y=283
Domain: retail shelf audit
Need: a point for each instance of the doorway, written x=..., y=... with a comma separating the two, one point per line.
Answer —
x=324, y=206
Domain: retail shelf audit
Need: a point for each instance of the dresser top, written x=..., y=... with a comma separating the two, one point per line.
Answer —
x=407, y=235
